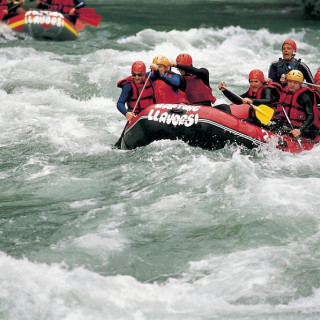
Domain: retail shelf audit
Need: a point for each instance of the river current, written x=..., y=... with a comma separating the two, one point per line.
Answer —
x=166, y=231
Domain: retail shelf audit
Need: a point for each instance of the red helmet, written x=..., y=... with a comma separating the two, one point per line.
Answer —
x=185, y=59
x=316, y=77
x=138, y=66
x=256, y=74
x=291, y=42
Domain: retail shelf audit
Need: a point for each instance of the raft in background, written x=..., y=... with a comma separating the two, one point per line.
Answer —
x=42, y=24
x=204, y=127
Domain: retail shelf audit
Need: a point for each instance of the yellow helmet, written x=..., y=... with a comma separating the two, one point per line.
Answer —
x=161, y=60
x=295, y=75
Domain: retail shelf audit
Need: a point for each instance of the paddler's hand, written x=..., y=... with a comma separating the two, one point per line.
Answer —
x=129, y=116
x=283, y=78
x=247, y=100
x=173, y=64
x=154, y=67
x=295, y=132
x=221, y=85
x=72, y=12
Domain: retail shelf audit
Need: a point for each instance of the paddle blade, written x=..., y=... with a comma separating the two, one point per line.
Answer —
x=80, y=25
x=88, y=16
x=263, y=113
x=2, y=14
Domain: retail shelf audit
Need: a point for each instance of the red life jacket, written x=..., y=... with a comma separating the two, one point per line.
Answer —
x=3, y=5
x=276, y=86
x=316, y=110
x=147, y=98
x=317, y=94
x=295, y=111
x=255, y=95
x=196, y=91
x=62, y=5
x=164, y=93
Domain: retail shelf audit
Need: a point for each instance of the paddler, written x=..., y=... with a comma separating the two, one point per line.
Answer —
x=166, y=83
x=300, y=106
x=66, y=7
x=11, y=8
x=195, y=81
x=131, y=89
x=259, y=93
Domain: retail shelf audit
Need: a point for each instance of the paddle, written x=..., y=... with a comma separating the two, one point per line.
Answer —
x=80, y=25
x=311, y=84
x=89, y=16
x=2, y=14
x=118, y=143
x=292, y=128
x=86, y=15
x=263, y=112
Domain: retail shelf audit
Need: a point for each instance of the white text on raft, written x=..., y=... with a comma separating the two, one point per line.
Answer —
x=174, y=119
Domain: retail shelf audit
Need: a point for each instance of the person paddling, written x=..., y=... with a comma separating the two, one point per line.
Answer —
x=131, y=88
x=3, y=9
x=279, y=69
x=43, y=4
x=10, y=8
x=166, y=83
x=66, y=7
x=195, y=82
x=300, y=109
x=259, y=93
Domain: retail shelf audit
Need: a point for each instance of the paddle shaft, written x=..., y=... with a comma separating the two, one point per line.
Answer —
x=311, y=84
x=14, y=7
x=237, y=95
x=2, y=14
x=291, y=126
x=118, y=143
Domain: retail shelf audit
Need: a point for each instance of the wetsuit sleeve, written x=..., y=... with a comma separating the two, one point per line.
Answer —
x=79, y=4
x=266, y=97
x=307, y=100
x=272, y=74
x=173, y=81
x=232, y=97
x=306, y=72
x=201, y=73
x=155, y=75
x=124, y=96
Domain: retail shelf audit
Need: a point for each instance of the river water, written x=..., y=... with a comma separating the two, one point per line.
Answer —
x=166, y=231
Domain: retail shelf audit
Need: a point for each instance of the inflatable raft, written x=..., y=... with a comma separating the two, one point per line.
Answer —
x=204, y=127
x=41, y=24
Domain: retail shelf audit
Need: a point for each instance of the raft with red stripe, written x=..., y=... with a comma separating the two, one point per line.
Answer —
x=204, y=127
x=42, y=24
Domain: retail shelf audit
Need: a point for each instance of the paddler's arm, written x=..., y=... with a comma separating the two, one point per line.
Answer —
x=124, y=96
x=173, y=81
x=228, y=94
x=265, y=99
x=272, y=74
x=201, y=73
x=306, y=100
x=308, y=77
x=79, y=4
